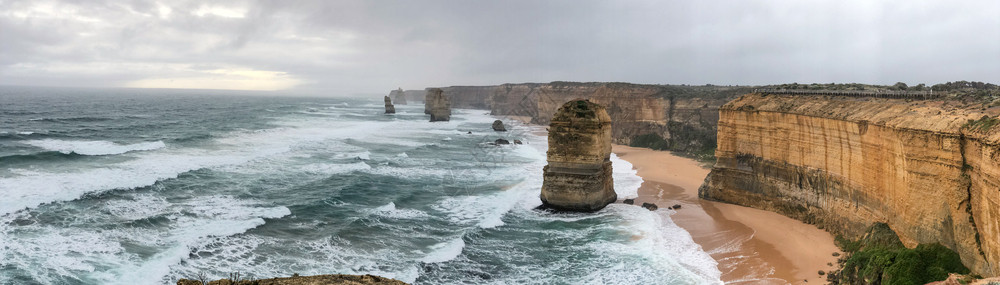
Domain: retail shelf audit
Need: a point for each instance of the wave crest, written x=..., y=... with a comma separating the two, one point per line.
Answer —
x=94, y=147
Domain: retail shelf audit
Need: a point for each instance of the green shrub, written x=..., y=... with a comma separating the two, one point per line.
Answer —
x=652, y=141
x=880, y=258
x=982, y=124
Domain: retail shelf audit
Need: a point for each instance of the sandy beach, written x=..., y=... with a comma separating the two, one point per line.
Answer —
x=752, y=246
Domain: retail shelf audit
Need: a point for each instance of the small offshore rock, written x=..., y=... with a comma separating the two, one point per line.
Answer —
x=502, y=141
x=517, y=141
x=498, y=126
x=389, y=108
x=470, y=132
x=629, y=201
x=650, y=206
x=676, y=206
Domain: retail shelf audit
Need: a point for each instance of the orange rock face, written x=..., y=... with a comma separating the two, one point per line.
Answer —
x=845, y=163
x=578, y=176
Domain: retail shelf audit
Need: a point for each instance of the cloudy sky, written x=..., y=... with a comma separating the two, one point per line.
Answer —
x=374, y=46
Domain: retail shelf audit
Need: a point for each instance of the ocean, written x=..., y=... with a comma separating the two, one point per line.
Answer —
x=142, y=186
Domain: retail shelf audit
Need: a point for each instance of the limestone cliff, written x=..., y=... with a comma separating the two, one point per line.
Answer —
x=684, y=116
x=414, y=95
x=398, y=96
x=437, y=105
x=578, y=174
x=843, y=163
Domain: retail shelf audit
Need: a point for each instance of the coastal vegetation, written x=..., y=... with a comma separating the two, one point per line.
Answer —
x=879, y=257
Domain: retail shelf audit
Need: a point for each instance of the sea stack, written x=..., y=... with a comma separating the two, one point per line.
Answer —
x=437, y=105
x=578, y=176
x=389, y=108
x=498, y=126
x=398, y=96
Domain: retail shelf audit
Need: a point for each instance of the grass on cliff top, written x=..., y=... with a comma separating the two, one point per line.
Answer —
x=982, y=124
x=880, y=258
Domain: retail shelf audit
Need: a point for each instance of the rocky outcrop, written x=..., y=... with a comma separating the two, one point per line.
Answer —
x=398, y=96
x=929, y=169
x=335, y=279
x=684, y=117
x=437, y=105
x=389, y=108
x=578, y=174
x=498, y=126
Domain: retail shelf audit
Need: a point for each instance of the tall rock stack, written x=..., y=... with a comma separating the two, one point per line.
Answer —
x=398, y=96
x=389, y=108
x=578, y=176
x=437, y=105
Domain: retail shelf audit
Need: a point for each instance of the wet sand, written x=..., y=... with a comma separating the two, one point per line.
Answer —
x=752, y=246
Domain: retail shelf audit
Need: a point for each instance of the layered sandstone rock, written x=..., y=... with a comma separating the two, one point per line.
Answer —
x=498, y=126
x=437, y=105
x=398, y=96
x=389, y=108
x=578, y=174
x=845, y=163
x=687, y=120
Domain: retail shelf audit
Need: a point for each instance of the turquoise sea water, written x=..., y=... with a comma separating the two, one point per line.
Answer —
x=128, y=186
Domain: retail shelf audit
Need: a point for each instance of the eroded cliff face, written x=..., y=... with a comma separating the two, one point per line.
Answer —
x=578, y=174
x=437, y=105
x=844, y=163
x=398, y=96
x=689, y=123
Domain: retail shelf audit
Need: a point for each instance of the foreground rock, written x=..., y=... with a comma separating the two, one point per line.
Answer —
x=578, y=175
x=437, y=105
x=389, y=108
x=398, y=96
x=498, y=126
x=338, y=279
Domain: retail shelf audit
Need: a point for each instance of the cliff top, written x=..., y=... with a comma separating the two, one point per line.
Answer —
x=969, y=117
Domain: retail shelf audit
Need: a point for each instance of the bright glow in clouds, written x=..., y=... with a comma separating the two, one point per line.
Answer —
x=224, y=12
x=234, y=79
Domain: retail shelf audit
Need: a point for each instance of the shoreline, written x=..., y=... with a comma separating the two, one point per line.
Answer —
x=751, y=246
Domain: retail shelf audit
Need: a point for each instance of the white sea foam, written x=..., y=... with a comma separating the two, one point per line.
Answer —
x=627, y=181
x=390, y=211
x=51, y=251
x=218, y=216
x=93, y=147
x=445, y=251
x=25, y=133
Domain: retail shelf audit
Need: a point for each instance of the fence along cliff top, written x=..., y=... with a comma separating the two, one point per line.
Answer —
x=890, y=94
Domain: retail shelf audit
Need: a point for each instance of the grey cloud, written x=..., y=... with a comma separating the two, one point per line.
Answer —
x=372, y=46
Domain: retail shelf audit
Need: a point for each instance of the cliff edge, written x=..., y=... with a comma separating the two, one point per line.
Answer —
x=927, y=168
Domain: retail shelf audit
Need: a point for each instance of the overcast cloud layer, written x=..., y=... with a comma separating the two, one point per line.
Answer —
x=374, y=46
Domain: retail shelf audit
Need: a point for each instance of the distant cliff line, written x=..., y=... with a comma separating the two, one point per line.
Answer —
x=930, y=169
x=666, y=117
